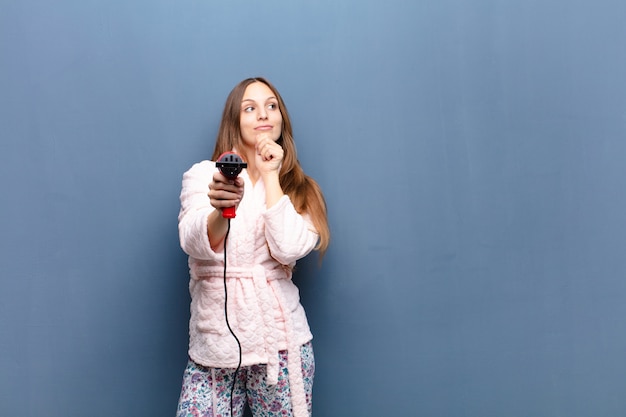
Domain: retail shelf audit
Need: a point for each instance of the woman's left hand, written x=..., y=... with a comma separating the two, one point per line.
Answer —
x=269, y=154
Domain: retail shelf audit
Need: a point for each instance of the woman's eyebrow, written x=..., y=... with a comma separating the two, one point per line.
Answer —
x=254, y=101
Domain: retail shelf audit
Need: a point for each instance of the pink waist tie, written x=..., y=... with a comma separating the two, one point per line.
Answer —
x=294, y=359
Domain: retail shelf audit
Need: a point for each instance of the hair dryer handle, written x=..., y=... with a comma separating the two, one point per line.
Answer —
x=228, y=212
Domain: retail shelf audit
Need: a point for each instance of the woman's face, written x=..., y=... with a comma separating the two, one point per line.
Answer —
x=259, y=114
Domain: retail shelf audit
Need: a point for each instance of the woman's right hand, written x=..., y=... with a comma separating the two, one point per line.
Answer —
x=225, y=192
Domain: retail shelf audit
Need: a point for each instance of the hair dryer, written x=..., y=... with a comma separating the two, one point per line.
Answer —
x=230, y=165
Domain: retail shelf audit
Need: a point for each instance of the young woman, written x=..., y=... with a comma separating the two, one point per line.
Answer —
x=249, y=336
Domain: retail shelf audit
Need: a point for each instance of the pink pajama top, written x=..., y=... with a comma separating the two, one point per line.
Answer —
x=264, y=307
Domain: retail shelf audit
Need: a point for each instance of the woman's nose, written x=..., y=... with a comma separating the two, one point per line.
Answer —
x=262, y=114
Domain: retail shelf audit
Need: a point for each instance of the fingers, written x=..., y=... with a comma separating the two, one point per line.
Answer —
x=221, y=181
x=225, y=192
x=268, y=150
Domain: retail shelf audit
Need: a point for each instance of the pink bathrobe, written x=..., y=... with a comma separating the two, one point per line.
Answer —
x=264, y=307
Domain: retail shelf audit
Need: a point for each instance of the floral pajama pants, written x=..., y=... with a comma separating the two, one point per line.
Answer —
x=206, y=391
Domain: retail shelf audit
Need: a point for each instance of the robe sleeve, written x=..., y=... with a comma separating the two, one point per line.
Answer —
x=194, y=211
x=290, y=235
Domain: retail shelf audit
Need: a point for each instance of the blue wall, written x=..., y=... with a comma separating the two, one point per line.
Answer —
x=472, y=155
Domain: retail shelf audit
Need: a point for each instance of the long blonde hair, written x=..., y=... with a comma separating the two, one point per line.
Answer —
x=304, y=192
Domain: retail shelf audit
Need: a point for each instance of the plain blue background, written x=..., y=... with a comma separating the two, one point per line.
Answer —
x=472, y=154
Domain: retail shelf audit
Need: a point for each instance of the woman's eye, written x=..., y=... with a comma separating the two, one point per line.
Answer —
x=272, y=106
x=248, y=109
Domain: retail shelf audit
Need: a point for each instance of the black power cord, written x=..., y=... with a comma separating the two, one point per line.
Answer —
x=232, y=388
x=230, y=165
